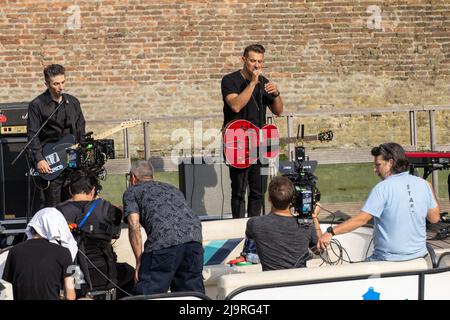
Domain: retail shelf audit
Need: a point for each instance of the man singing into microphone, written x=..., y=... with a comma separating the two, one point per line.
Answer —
x=67, y=120
x=243, y=92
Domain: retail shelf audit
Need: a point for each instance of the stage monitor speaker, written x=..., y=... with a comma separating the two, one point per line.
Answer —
x=14, y=181
x=206, y=187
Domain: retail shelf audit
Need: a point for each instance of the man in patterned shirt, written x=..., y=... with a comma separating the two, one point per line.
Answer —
x=173, y=254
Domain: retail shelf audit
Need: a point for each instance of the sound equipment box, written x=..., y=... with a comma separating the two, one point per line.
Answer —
x=13, y=118
x=206, y=187
x=14, y=181
x=14, y=178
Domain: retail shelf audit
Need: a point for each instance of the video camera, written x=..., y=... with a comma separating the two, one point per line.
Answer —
x=306, y=192
x=91, y=154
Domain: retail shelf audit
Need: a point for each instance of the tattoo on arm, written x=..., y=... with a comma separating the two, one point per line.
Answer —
x=134, y=233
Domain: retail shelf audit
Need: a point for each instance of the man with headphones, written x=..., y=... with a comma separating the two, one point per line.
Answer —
x=282, y=242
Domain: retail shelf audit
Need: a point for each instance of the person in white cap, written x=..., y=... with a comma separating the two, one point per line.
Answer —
x=42, y=266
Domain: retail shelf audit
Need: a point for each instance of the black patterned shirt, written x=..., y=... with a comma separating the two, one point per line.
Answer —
x=164, y=214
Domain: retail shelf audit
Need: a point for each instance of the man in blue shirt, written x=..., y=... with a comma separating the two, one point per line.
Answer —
x=399, y=204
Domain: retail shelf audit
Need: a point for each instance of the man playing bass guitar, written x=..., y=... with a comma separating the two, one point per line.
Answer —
x=246, y=95
x=67, y=120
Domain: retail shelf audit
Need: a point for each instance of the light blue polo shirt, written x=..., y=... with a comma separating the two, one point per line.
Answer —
x=399, y=205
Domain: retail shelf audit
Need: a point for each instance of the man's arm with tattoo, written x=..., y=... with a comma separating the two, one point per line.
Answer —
x=134, y=234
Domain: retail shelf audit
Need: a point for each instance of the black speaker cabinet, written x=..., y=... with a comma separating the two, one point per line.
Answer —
x=206, y=187
x=14, y=181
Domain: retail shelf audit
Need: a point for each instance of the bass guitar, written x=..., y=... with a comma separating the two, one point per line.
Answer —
x=244, y=142
x=56, y=153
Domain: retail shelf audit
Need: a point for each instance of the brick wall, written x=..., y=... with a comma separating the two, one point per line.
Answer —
x=147, y=59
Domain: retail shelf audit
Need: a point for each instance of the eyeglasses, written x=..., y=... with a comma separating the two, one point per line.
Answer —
x=127, y=179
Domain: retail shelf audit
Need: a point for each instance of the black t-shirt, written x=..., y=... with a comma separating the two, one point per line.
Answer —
x=281, y=242
x=37, y=268
x=235, y=83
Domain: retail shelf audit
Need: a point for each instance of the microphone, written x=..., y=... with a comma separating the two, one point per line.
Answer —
x=261, y=82
x=65, y=98
x=261, y=79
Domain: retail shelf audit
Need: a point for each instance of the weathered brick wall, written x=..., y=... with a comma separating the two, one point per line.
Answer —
x=147, y=59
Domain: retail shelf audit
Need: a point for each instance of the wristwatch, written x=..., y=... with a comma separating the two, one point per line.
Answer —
x=276, y=95
x=330, y=230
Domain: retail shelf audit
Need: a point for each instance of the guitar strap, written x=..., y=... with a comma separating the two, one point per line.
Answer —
x=70, y=118
x=246, y=83
x=72, y=124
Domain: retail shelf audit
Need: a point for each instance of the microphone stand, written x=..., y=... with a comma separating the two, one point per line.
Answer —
x=261, y=121
x=28, y=162
x=2, y=177
x=39, y=130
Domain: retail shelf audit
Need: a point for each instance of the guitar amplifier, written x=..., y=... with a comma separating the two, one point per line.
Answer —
x=13, y=118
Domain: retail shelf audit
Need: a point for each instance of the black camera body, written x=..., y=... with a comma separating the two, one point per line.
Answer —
x=91, y=155
x=306, y=192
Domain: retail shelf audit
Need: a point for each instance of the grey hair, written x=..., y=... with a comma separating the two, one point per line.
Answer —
x=142, y=169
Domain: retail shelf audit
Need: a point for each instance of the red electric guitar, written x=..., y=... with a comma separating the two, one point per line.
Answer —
x=244, y=142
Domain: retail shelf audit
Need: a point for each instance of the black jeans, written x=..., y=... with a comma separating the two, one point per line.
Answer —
x=55, y=192
x=240, y=179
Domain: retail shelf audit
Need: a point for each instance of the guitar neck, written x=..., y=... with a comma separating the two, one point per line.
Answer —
x=107, y=133
x=122, y=126
x=295, y=139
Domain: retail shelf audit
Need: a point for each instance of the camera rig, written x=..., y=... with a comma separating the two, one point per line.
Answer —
x=91, y=154
x=306, y=192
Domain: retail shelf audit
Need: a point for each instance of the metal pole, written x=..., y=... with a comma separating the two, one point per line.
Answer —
x=413, y=129
x=146, y=140
x=289, y=134
x=435, y=180
x=272, y=163
x=126, y=152
x=2, y=179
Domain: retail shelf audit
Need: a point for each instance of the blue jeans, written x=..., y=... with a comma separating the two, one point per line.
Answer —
x=178, y=268
x=373, y=258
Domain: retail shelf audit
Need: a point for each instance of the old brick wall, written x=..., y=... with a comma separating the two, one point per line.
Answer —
x=160, y=59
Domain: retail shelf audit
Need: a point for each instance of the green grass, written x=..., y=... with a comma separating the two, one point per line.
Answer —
x=345, y=182
x=353, y=182
x=336, y=182
x=114, y=185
